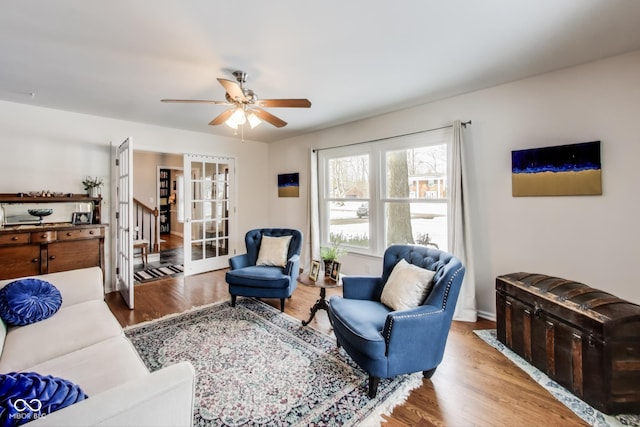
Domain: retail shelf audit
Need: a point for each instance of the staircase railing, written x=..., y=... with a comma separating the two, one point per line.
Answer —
x=145, y=219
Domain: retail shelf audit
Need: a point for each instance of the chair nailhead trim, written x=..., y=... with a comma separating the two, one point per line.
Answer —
x=444, y=304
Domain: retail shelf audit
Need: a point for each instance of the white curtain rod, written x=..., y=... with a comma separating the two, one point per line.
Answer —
x=464, y=124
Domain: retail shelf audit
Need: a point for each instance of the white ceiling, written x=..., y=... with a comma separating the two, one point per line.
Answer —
x=353, y=59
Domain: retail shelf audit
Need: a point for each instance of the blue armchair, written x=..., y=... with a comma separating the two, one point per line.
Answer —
x=386, y=343
x=273, y=280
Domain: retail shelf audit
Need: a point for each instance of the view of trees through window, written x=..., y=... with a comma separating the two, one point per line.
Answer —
x=349, y=200
x=403, y=200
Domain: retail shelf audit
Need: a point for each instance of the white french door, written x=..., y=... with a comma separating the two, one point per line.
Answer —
x=209, y=212
x=124, y=213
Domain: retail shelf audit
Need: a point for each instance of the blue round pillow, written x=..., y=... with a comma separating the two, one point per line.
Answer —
x=28, y=301
x=26, y=396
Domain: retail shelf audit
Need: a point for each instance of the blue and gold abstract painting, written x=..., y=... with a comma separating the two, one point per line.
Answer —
x=563, y=170
x=289, y=185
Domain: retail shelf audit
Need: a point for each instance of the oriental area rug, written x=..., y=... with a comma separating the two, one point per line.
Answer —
x=257, y=366
x=589, y=414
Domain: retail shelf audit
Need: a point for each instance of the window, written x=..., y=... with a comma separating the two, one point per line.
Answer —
x=346, y=201
x=376, y=194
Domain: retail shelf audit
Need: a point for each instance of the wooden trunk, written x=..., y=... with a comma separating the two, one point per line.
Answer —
x=585, y=339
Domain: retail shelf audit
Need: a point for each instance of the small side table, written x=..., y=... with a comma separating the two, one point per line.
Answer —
x=142, y=245
x=323, y=283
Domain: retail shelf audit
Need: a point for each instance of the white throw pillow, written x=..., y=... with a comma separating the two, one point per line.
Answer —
x=407, y=286
x=273, y=251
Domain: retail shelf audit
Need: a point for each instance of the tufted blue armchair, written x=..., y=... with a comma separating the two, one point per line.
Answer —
x=250, y=280
x=387, y=343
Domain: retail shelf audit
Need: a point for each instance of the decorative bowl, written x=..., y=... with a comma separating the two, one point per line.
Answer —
x=40, y=212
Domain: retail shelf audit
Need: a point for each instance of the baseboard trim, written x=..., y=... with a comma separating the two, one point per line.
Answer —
x=487, y=315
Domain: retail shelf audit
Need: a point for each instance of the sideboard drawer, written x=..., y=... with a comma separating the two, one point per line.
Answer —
x=18, y=261
x=43, y=236
x=14, y=239
x=70, y=255
x=80, y=233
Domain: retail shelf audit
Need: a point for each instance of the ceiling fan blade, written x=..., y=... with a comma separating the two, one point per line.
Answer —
x=291, y=103
x=198, y=101
x=269, y=118
x=222, y=117
x=233, y=89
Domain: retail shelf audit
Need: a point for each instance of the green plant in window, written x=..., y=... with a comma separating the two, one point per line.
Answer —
x=335, y=250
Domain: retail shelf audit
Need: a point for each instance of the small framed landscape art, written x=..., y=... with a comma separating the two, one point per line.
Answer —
x=289, y=185
x=315, y=269
x=564, y=170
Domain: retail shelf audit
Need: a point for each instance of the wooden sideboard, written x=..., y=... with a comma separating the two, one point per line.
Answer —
x=28, y=250
x=21, y=198
x=33, y=249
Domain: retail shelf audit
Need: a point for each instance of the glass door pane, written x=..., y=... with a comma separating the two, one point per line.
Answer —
x=124, y=238
x=209, y=207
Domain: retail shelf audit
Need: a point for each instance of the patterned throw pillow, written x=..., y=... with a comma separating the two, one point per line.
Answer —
x=28, y=301
x=407, y=286
x=26, y=396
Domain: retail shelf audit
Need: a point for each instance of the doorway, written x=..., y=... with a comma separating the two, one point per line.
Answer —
x=171, y=218
x=192, y=196
x=155, y=189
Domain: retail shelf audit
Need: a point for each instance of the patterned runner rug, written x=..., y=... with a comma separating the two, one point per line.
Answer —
x=582, y=409
x=258, y=366
x=157, y=273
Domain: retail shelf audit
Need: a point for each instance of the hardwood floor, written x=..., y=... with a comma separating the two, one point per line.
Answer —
x=474, y=385
x=170, y=241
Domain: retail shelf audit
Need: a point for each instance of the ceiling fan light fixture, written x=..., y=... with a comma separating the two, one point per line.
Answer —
x=253, y=119
x=231, y=124
x=238, y=117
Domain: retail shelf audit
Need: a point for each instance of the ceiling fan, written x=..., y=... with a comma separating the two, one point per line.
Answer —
x=245, y=105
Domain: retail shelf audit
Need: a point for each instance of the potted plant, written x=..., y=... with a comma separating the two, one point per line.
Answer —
x=92, y=185
x=333, y=252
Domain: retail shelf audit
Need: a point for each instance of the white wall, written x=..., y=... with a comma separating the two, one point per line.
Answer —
x=145, y=174
x=46, y=149
x=590, y=239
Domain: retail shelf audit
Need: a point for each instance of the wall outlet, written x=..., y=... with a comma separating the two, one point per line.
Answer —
x=151, y=200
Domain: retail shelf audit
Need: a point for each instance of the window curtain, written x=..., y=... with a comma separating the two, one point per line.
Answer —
x=313, y=227
x=459, y=232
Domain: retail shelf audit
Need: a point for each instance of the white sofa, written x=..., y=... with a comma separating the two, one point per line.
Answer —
x=84, y=343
